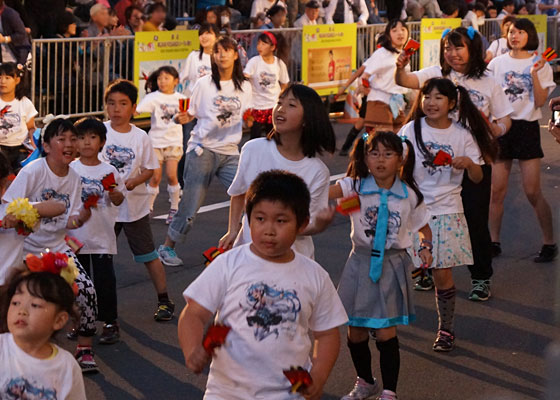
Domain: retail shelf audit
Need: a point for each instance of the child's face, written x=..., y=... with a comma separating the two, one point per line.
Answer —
x=89, y=145
x=383, y=162
x=166, y=82
x=61, y=149
x=32, y=319
x=456, y=56
x=207, y=39
x=517, y=38
x=436, y=105
x=119, y=108
x=8, y=84
x=225, y=58
x=399, y=35
x=492, y=13
x=287, y=115
x=273, y=230
x=264, y=48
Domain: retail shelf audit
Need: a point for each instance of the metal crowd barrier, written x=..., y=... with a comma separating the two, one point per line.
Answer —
x=69, y=75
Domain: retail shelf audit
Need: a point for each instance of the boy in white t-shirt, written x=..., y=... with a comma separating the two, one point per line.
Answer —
x=98, y=235
x=271, y=297
x=130, y=151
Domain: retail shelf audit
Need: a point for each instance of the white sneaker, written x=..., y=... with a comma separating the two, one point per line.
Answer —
x=388, y=395
x=362, y=390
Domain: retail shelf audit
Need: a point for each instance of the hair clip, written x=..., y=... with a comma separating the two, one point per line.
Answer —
x=471, y=32
x=365, y=136
x=47, y=119
x=404, y=138
x=445, y=33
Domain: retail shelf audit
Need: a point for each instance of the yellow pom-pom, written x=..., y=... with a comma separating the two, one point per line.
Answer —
x=23, y=211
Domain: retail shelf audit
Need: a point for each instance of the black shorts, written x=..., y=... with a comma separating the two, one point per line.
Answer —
x=363, y=108
x=139, y=236
x=522, y=141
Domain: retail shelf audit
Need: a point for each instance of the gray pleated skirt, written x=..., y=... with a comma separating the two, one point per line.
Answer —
x=383, y=304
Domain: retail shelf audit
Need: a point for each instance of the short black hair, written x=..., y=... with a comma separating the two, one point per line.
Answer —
x=91, y=125
x=508, y=3
x=523, y=24
x=479, y=7
x=272, y=11
x=155, y=7
x=285, y=187
x=128, y=12
x=123, y=86
x=57, y=127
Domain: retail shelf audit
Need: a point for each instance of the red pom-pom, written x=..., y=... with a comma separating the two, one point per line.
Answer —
x=215, y=337
x=299, y=378
x=109, y=182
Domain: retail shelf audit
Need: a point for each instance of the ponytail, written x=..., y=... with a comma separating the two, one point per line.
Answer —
x=407, y=170
x=357, y=169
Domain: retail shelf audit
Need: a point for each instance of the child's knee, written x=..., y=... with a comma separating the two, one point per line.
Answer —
x=357, y=334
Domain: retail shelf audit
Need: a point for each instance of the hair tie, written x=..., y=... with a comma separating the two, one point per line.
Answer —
x=445, y=33
x=365, y=136
x=405, y=146
x=47, y=121
x=271, y=37
x=471, y=32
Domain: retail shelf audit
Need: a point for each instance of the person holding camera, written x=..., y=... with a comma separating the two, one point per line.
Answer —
x=346, y=12
x=554, y=123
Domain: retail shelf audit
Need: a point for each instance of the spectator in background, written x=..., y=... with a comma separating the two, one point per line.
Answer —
x=134, y=19
x=99, y=21
x=476, y=16
x=206, y=4
x=259, y=21
x=374, y=17
x=347, y=12
x=416, y=9
x=156, y=17
x=394, y=9
x=548, y=7
x=521, y=10
x=121, y=6
x=264, y=6
x=14, y=41
x=43, y=16
x=450, y=10
x=17, y=5
x=500, y=46
x=113, y=20
x=310, y=15
x=507, y=9
x=277, y=17
x=491, y=12
x=67, y=25
x=209, y=15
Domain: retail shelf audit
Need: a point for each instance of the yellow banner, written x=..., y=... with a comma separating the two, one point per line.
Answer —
x=430, y=37
x=540, y=26
x=156, y=49
x=328, y=56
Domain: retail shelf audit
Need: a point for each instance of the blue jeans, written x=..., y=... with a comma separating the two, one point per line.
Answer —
x=198, y=174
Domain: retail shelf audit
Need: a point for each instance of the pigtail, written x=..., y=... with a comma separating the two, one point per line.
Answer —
x=471, y=118
x=407, y=171
x=416, y=115
x=151, y=82
x=357, y=169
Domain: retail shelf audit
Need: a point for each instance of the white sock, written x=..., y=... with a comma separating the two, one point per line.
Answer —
x=153, y=191
x=174, y=195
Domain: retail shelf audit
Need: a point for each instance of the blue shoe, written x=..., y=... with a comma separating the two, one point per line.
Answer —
x=168, y=256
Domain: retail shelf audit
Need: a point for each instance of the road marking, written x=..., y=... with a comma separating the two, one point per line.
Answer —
x=225, y=204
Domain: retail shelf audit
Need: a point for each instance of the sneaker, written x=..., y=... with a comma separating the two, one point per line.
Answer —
x=168, y=256
x=72, y=334
x=84, y=356
x=170, y=215
x=111, y=334
x=424, y=283
x=548, y=253
x=445, y=341
x=496, y=249
x=362, y=390
x=164, y=311
x=480, y=290
x=388, y=395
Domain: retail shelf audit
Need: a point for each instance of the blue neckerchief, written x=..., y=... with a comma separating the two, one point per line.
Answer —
x=396, y=104
x=398, y=190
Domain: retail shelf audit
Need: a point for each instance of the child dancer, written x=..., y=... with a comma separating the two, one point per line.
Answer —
x=98, y=235
x=166, y=134
x=268, y=75
x=500, y=46
x=527, y=85
x=271, y=297
x=375, y=290
x=38, y=305
x=17, y=115
x=444, y=150
x=129, y=150
x=302, y=131
x=52, y=178
x=218, y=102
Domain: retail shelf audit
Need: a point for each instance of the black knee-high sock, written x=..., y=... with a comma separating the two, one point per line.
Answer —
x=445, y=302
x=389, y=362
x=361, y=357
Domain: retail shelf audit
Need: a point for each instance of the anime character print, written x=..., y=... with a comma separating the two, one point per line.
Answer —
x=167, y=112
x=266, y=79
x=433, y=149
x=517, y=85
x=369, y=222
x=120, y=157
x=8, y=121
x=271, y=310
x=51, y=194
x=91, y=187
x=22, y=389
x=227, y=107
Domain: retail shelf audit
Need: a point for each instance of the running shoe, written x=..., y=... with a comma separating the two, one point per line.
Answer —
x=548, y=253
x=445, y=341
x=84, y=356
x=480, y=290
x=164, y=311
x=168, y=256
x=363, y=390
x=110, y=334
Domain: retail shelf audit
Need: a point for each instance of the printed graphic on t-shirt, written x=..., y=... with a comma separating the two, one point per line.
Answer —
x=477, y=98
x=8, y=121
x=227, y=107
x=271, y=310
x=91, y=187
x=203, y=70
x=167, y=112
x=369, y=222
x=21, y=388
x=433, y=149
x=51, y=194
x=120, y=157
x=516, y=84
x=266, y=79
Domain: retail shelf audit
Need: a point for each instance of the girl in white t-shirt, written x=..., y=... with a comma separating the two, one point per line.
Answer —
x=500, y=46
x=376, y=289
x=302, y=131
x=52, y=178
x=17, y=115
x=527, y=81
x=445, y=149
x=37, y=305
x=268, y=76
x=218, y=103
x=165, y=132
x=385, y=99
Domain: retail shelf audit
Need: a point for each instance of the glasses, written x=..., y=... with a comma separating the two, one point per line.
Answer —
x=386, y=154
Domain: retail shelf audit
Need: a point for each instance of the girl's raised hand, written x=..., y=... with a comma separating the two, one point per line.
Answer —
x=461, y=162
x=538, y=65
x=226, y=242
x=403, y=60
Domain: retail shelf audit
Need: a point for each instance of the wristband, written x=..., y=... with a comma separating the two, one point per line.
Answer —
x=424, y=248
x=503, y=128
x=426, y=243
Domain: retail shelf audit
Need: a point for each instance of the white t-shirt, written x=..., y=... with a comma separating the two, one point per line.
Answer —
x=259, y=155
x=219, y=115
x=24, y=376
x=11, y=248
x=498, y=47
x=441, y=185
x=164, y=131
x=98, y=234
x=550, y=12
x=194, y=69
x=264, y=5
x=514, y=76
x=266, y=79
x=485, y=92
x=404, y=216
x=129, y=153
x=381, y=65
x=270, y=308
x=14, y=116
x=38, y=183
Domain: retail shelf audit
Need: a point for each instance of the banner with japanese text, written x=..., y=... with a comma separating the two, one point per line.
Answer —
x=431, y=30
